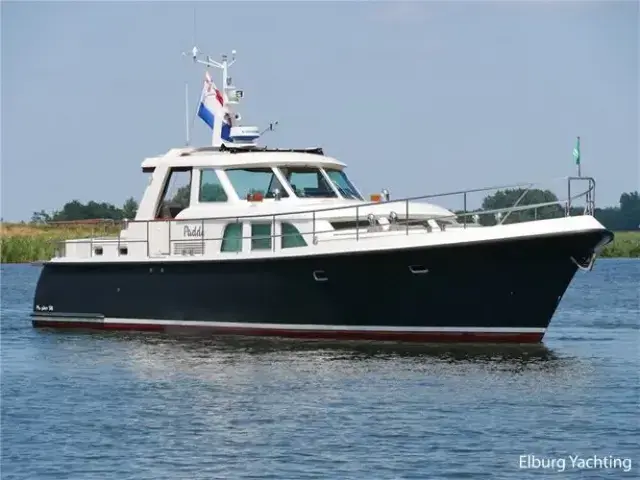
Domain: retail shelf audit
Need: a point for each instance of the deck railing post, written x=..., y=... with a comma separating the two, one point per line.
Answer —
x=464, y=221
x=313, y=228
x=273, y=234
x=357, y=223
x=241, y=236
x=148, y=247
x=568, y=197
x=406, y=208
x=170, y=238
x=202, y=231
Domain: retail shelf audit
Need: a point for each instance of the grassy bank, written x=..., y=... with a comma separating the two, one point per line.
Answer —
x=20, y=243
x=624, y=245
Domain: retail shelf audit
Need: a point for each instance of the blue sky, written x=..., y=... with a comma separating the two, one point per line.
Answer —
x=415, y=97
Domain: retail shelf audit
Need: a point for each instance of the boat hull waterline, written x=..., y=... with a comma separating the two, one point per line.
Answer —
x=491, y=292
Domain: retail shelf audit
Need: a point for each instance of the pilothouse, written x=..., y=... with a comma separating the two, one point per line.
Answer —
x=237, y=238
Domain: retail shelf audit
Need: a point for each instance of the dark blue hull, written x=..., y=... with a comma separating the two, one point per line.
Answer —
x=499, y=291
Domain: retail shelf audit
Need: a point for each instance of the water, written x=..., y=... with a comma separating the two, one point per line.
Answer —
x=146, y=406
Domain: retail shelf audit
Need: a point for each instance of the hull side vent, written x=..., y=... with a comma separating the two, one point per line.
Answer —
x=188, y=248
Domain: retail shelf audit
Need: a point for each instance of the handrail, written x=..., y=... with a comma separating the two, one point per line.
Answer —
x=367, y=204
x=517, y=203
x=358, y=205
x=88, y=221
x=394, y=223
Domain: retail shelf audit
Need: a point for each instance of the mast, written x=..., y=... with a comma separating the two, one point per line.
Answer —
x=217, y=106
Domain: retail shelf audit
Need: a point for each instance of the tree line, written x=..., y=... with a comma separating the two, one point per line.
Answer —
x=625, y=216
x=76, y=210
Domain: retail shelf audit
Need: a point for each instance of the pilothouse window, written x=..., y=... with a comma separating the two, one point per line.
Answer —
x=254, y=180
x=343, y=184
x=177, y=192
x=211, y=189
x=308, y=182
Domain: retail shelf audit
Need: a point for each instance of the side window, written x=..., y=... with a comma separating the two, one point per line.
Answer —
x=260, y=236
x=308, y=182
x=177, y=192
x=347, y=189
x=253, y=180
x=291, y=237
x=211, y=189
x=232, y=238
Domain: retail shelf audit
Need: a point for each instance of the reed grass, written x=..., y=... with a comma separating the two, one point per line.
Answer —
x=624, y=245
x=22, y=243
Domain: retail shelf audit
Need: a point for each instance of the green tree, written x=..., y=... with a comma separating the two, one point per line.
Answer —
x=130, y=208
x=212, y=192
x=75, y=210
x=182, y=196
x=630, y=211
x=624, y=217
x=40, y=217
x=507, y=198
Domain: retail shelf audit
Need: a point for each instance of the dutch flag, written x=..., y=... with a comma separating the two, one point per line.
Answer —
x=212, y=106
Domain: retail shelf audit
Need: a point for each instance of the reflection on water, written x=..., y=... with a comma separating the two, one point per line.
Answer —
x=345, y=350
x=162, y=355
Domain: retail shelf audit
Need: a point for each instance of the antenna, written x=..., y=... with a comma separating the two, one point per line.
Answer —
x=270, y=128
x=194, y=54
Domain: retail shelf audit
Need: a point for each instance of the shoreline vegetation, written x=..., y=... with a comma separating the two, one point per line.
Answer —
x=25, y=243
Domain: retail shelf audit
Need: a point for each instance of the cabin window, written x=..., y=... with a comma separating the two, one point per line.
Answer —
x=308, y=182
x=344, y=185
x=260, y=236
x=352, y=225
x=291, y=237
x=232, y=238
x=211, y=190
x=247, y=181
x=177, y=192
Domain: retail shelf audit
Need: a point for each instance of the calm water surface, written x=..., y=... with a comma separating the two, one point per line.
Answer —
x=148, y=406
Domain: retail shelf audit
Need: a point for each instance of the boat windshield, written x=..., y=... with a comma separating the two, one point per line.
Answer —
x=343, y=184
x=254, y=180
x=308, y=182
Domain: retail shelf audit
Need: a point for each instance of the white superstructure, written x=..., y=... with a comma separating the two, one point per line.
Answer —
x=236, y=200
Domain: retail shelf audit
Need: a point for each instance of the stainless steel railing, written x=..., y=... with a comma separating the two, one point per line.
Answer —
x=402, y=221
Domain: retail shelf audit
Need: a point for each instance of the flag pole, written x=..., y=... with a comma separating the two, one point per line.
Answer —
x=186, y=111
x=576, y=155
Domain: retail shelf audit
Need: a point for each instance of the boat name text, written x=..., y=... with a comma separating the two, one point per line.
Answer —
x=195, y=231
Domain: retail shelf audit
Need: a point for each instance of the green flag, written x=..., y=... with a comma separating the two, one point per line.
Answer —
x=576, y=151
